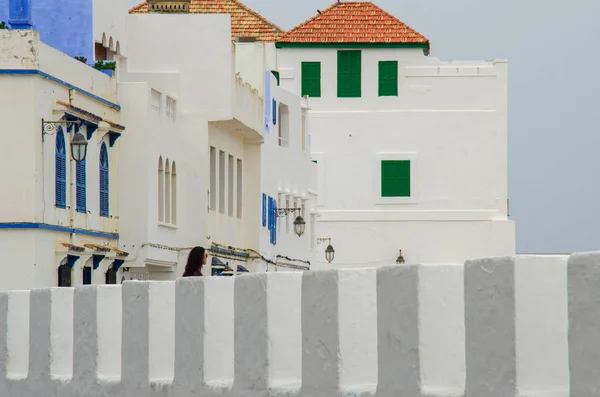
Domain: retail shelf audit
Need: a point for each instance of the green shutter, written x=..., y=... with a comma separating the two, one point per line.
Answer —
x=311, y=79
x=388, y=78
x=349, y=74
x=395, y=178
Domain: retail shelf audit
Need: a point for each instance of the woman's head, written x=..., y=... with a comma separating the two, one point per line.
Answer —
x=196, y=259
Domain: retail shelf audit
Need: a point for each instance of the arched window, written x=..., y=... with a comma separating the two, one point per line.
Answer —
x=173, y=194
x=61, y=170
x=161, y=190
x=167, y=192
x=80, y=193
x=104, y=193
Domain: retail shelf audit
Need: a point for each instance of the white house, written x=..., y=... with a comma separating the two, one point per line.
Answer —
x=59, y=223
x=411, y=151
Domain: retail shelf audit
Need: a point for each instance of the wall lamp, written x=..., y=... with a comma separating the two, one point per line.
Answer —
x=299, y=223
x=78, y=143
x=329, y=251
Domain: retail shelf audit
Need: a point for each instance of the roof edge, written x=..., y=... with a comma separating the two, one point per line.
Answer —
x=424, y=46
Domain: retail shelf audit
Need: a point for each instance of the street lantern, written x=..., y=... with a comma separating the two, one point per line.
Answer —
x=329, y=253
x=78, y=147
x=299, y=226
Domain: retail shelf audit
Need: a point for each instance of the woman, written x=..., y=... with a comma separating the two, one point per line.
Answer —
x=196, y=260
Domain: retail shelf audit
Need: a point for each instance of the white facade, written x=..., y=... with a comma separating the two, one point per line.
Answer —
x=36, y=233
x=169, y=100
x=449, y=120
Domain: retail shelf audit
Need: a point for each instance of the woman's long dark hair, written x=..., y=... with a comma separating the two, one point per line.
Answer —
x=194, y=262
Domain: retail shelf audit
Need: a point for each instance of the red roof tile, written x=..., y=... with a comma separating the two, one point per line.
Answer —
x=244, y=21
x=353, y=22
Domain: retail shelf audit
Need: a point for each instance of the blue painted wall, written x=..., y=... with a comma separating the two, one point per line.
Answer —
x=66, y=25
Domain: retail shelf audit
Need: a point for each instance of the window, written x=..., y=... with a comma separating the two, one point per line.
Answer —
x=349, y=74
x=173, y=194
x=104, y=196
x=274, y=112
x=167, y=192
x=80, y=191
x=60, y=181
x=264, y=210
x=311, y=79
x=304, y=113
x=64, y=275
x=230, y=180
x=171, y=108
x=161, y=190
x=111, y=276
x=221, y=182
x=155, y=100
x=240, y=188
x=395, y=178
x=284, y=125
x=388, y=78
x=87, y=275
x=213, y=178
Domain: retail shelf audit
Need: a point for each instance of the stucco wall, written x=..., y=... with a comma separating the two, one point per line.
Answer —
x=434, y=330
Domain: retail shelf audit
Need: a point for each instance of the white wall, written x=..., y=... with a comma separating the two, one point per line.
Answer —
x=435, y=330
x=449, y=120
x=110, y=24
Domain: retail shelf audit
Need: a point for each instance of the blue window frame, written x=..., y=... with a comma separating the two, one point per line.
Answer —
x=104, y=196
x=264, y=210
x=60, y=180
x=80, y=191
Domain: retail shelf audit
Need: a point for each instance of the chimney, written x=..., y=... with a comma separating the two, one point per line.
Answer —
x=169, y=6
x=19, y=14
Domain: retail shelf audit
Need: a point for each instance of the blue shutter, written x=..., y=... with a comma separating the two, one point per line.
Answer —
x=104, y=196
x=264, y=210
x=80, y=187
x=60, y=180
x=274, y=112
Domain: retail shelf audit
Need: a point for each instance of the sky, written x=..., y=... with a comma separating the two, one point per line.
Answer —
x=554, y=100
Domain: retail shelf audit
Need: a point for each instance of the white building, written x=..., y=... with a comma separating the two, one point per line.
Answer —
x=59, y=223
x=217, y=132
x=411, y=151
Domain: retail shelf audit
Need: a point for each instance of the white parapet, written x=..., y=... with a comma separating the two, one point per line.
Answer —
x=495, y=327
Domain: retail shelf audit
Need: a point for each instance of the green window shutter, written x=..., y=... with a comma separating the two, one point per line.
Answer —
x=276, y=74
x=311, y=79
x=388, y=78
x=395, y=178
x=349, y=74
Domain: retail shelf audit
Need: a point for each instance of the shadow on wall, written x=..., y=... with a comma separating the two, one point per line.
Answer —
x=473, y=330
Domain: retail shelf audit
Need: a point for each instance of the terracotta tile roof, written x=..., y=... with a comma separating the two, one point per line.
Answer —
x=353, y=22
x=244, y=21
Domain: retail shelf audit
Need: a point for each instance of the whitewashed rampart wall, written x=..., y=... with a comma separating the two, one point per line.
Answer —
x=495, y=327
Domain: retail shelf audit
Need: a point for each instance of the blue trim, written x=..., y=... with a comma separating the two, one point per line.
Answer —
x=117, y=264
x=97, y=259
x=229, y=252
x=104, y=181
x=112, y=137
x=71, y=259
x=81, y=187
x=60, y=169
x=56, y=228
x=61, y=82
